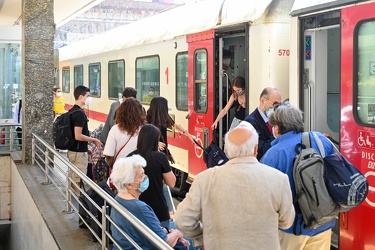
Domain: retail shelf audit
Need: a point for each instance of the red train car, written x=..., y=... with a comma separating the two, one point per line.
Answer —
x=333, y=48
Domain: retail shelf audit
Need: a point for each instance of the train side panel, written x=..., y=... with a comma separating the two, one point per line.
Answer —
x=357, y=118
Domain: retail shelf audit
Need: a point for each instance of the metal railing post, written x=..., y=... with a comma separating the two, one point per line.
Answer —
x=105, y=226
x=33, y=151
x=68, y=194
x=11, y=139
x=46, y=163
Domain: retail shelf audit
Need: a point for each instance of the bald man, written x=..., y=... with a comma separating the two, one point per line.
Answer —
x=269, y=98
x=239, y=205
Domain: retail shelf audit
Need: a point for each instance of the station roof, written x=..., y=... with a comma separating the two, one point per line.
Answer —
x=64, y=10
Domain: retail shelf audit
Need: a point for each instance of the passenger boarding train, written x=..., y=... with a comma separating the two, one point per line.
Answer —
x=319, y=54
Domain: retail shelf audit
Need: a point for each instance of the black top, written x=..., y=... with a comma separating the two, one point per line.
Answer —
x=79, y=119
x=240, y=111
x=157, y=164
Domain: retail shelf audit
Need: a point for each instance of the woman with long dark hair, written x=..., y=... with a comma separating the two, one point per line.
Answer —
x=158, y=115
x=158, y=171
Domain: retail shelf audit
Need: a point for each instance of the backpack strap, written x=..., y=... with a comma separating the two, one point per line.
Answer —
x=306, y=139
x=320, y=144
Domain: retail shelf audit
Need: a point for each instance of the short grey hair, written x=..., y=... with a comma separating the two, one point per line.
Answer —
x=245, y=149
x=123, y=171
x=287, y=118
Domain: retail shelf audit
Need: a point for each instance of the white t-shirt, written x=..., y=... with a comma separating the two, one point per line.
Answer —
x=116, y=139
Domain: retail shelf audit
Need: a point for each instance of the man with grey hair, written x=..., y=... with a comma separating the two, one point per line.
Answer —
x=287, y=127
x=238, y=205
x=268, y=99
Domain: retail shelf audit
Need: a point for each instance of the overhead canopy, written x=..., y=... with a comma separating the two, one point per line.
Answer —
x=301, y=7
x=187, y=19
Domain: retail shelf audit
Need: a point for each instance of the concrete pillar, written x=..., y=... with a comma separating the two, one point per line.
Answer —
x=37, y=51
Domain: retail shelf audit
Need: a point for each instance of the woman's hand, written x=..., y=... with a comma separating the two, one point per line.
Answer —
x=161, y=146
x=214, y=125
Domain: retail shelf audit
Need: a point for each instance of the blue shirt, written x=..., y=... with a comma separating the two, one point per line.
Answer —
x=145, y=214
x=281, y=156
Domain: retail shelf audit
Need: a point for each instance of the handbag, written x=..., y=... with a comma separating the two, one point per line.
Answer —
x=100, y=170
x=213, y=155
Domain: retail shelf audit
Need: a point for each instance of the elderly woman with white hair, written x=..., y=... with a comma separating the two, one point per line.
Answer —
x=129, y=178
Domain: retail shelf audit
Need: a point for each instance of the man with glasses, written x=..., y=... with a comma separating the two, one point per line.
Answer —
x=269, y=98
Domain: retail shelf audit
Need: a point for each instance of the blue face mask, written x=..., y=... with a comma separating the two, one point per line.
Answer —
x=269, y=112
x=143, y=185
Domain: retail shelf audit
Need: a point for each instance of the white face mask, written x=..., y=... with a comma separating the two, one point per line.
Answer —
x=269, y=112
x=151, y=93
x=226, y=61
x=59, y=94
x=88, y=101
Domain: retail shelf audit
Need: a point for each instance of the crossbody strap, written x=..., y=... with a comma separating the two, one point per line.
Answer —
x=121, y=149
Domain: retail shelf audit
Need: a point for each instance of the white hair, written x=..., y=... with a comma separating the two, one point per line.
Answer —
x=233, y=149
x=123, y=171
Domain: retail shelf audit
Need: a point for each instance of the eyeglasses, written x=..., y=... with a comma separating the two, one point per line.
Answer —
x=275, y=103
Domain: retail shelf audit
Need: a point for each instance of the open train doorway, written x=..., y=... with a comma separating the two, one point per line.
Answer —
x=231, y=57
x=321, y=76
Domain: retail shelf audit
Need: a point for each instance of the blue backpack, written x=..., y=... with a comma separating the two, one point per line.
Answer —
x=345, y=183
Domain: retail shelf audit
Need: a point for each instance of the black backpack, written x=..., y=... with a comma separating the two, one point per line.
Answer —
x=62, y=131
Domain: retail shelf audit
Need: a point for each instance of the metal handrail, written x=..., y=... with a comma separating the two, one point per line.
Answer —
x=69, y=194
x=8, y=135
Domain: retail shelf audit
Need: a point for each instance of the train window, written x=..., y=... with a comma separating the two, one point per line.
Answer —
x=200, y=81
x=365, y=72
x=78, y=75
x=95, y=79
x=116, y=79
x=182, y=81
x=65, y=78
x=147, y=78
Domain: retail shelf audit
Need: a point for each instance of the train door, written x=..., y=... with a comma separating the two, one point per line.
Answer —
x=321, y=76
x=215, y=58
x=357, y=118
x=231, y=61
x=200, y=94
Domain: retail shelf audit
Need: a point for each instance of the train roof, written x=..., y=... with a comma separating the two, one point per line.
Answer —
x=187, y=19
x=302, y=7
